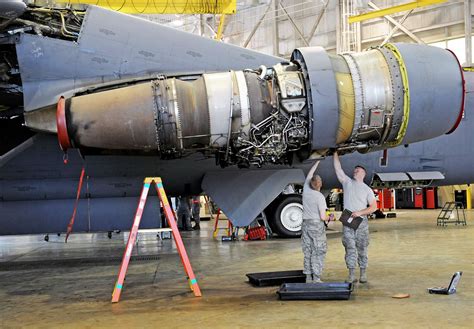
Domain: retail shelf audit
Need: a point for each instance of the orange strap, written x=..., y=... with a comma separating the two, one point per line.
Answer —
x=71, y=222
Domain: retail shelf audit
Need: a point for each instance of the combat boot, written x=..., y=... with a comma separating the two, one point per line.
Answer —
x=363, y=275
x=316, y=279
x=351, y=278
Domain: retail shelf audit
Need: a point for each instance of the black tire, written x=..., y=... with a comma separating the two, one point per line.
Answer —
x=284, y=227
x=269, y=213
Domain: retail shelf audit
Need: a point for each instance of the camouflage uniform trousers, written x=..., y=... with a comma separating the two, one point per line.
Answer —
x=356, y=243
x=184, y=219
x=195, y=213
x=313, y=241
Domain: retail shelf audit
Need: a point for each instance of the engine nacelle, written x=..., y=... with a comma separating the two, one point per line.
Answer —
x=384, y=97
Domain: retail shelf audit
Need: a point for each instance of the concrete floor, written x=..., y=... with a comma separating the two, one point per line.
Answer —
x=44, y=285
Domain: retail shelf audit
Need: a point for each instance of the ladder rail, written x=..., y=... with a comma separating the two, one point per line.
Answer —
x=177, y=238
x=229, y=229
x=130, y=243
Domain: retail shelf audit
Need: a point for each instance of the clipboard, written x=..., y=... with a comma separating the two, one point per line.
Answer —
x=348, y=221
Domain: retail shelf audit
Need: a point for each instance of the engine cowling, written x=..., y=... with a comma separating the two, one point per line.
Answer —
x=383, y=97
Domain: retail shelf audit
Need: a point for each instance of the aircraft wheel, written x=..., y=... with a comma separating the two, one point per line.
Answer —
x=287, y=216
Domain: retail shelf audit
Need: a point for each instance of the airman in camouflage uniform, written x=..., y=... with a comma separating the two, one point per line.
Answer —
x=313, y=235
x=358, y=198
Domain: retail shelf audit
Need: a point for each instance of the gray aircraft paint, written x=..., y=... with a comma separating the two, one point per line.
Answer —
x=244, y=194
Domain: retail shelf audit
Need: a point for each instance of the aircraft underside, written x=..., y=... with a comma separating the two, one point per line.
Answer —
x=184, y=107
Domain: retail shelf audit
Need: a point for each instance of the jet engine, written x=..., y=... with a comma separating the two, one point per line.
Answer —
x=386, y=96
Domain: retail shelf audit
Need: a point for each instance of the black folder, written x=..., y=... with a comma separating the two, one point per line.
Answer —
x=347, y=219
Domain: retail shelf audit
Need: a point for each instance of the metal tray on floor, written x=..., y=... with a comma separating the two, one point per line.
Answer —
x=315, y=291
x=265, y=279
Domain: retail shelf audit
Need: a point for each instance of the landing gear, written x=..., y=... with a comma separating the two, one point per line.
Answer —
x=46, y=237
x=285, y=215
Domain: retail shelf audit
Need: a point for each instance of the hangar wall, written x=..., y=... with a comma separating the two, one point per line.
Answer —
x=442, y=25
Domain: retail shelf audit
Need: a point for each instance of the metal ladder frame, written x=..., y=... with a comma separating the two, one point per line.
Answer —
x=169, y=214
x=444, y=215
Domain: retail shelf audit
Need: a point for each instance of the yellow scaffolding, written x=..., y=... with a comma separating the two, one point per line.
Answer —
x=468, y=198
x=393, y=10
x=220, y=29
x=162, y=6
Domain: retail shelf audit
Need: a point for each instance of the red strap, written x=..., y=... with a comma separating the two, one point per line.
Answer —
x=71, y=222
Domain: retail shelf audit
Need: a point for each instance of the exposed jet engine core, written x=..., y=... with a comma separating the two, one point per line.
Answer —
x=384, y=97
x=251, y=117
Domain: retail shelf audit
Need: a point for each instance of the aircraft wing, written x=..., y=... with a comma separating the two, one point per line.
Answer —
x=111, y=47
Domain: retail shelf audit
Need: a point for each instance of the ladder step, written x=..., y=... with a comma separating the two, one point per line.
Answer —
x=163, y=229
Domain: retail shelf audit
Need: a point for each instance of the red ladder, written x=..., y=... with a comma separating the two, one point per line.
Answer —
x=133, y=236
